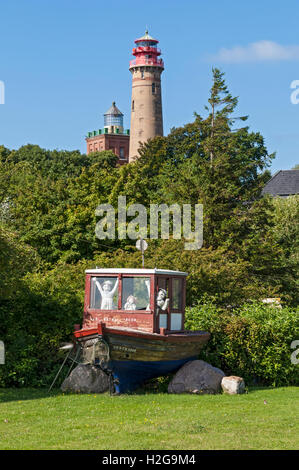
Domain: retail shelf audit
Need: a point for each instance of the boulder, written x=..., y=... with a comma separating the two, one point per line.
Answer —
x=86, y=378
x=197, y=377
x=233, y=385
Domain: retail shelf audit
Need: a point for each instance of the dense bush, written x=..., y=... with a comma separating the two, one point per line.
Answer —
x=252, y=341
x=35, y=322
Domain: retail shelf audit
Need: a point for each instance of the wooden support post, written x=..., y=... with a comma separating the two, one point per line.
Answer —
x=101, y=327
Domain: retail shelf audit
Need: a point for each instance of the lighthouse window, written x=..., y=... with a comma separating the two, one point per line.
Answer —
x=133, y=105
x=113, y=120
x=142, y=74
x=153, y=88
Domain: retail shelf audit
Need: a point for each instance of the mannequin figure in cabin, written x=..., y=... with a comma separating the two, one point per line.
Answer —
x=107, y=293
x=162, y=301
x=130, y=303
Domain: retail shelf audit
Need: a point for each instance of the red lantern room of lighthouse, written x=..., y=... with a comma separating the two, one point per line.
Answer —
x=146, y=52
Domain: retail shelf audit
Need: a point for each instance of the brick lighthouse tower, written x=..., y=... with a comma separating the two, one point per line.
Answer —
x=112, y=137
x=146, y=106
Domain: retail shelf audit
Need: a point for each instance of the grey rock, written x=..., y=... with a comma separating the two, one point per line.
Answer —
x=233, y=385
x=197, y=377
x=86, y=378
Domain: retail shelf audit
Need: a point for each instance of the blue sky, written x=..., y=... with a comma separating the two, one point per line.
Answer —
x=64, y=62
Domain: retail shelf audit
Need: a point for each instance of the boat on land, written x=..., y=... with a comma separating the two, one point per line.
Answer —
x=133, y=325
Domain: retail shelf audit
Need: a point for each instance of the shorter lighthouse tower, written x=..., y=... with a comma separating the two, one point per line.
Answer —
x=146, y=105
x=112, y=137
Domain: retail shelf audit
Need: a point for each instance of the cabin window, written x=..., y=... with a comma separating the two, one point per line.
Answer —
x=177, y=289
x=104, y=293
x=176, y=321
x=136, y=293
x=163, y=283
x=163, y=320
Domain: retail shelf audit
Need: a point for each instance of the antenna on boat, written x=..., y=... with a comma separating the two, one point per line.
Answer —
x=142, y=246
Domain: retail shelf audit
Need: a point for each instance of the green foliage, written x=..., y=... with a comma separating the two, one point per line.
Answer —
x=252, y=341
x=56, y=164
x=35, y=321
x=16, y=259
x=285, y=232
x=56, y=216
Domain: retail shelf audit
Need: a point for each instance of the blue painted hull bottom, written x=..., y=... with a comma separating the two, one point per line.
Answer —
x=129, y=375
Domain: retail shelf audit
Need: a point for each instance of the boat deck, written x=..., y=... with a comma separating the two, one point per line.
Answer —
x=176, y=336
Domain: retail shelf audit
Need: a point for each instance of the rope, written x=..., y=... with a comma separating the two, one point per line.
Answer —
x=73, y=362
x=103, y=365
x=66, y=357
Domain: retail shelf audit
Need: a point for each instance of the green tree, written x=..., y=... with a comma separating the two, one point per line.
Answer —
x=286, y=235
x=56, y=215
x=16, y=259
x=211, y=162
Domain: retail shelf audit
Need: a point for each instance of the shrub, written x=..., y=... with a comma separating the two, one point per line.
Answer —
x=36, y=321
x=252, y=341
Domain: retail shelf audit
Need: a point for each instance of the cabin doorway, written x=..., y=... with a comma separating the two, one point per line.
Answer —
x=171, y=318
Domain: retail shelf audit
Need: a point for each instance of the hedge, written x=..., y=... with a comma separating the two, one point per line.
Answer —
x=252, y=341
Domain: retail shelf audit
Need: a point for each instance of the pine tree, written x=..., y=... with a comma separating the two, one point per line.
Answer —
x=222, y=105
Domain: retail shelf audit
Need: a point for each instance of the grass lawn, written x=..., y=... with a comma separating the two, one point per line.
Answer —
x=261, y=419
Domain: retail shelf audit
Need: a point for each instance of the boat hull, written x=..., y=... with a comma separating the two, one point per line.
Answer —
x=133, y=356
x=129, y=375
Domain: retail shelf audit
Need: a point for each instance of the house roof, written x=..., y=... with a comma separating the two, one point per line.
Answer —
x=283, y=183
